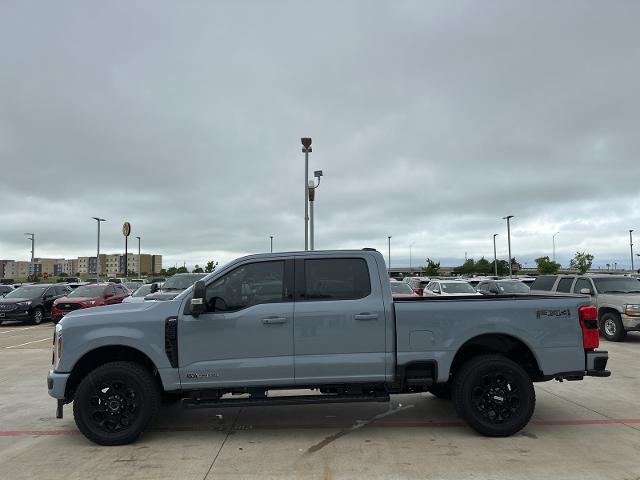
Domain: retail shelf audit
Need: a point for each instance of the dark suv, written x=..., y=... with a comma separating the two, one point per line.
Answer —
x=31, y=303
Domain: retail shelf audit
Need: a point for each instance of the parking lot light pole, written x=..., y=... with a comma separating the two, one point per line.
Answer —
x=312, y=198
x=554, y=245
x=139, y=266
x=631, y=246
x=495, y=257
x=507, y=218
x=306, y=149
x=97, y=219
x=410, y=264
x=389, y=257
x=271, y=239
x=32, y=238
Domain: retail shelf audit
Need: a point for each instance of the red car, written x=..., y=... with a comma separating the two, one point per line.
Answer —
x=402, y=290
x=88, y=296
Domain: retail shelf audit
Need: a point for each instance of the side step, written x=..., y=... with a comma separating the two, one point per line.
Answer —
x=191, y=403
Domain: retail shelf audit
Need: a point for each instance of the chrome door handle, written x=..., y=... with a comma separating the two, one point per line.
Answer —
x=366, y=316
x=274, y=320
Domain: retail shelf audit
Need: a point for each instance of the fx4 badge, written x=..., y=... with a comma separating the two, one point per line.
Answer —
x=202, y=375
x=553, y=313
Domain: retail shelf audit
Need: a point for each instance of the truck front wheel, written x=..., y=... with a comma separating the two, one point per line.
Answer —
x=115, y=402
x=494, y=395
x=611, y=327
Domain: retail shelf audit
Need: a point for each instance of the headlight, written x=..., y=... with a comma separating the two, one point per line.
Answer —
x=24, y=304
x=632, y=310
x=57, y=348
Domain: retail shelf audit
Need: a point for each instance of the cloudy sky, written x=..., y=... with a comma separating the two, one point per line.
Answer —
x=431, y=121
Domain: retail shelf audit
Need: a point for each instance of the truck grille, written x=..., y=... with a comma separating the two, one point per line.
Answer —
x=7, y=307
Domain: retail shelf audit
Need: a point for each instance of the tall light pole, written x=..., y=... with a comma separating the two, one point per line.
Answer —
x=271, y=239
x=312, y=196
x=554, y=245
x=495, y=257
x=389, y=257
x=139, y=265
x=98, y=219
x=631, y=247
x=32, y=237
x=306, y=149
x=410, y=264
x=507, y=218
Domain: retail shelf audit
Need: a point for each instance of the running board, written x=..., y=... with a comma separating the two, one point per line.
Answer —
x=191, y=403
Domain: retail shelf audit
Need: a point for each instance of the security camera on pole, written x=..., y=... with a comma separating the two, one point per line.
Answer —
x=312, y=197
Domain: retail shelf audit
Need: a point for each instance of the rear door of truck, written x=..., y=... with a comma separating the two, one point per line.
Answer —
x=339, y=320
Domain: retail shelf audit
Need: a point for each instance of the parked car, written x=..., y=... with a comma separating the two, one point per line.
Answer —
x=616, y=297
x=75, y=285
x=449, y=288
x=502, y=287
x=474, y=281
x=172, y=287
x=158, y=280
x=138, y=295
x=31, y=303
x=4, y=289
x=72, y=279
x=88, y=296
x=116, y=280
x=324, y=320
x=417, y=283
x=140, y=280
x=133, y=285
x=402, y=290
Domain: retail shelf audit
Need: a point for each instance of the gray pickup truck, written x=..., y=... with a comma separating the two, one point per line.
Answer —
x=324, y=321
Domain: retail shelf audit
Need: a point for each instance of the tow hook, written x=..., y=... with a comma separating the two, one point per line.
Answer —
x=59, y=408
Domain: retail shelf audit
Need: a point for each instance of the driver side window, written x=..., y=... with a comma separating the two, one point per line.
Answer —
x=248, y=285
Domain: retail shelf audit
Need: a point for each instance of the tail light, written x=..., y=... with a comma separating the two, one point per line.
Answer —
x=419, y=291
x=589, y=324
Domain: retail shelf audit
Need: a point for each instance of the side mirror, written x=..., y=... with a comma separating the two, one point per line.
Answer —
x=585, y=291
x=198, y=305
x=154, y=288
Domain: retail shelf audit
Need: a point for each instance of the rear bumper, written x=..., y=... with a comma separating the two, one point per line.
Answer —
x=596, y=363
x=57, y=384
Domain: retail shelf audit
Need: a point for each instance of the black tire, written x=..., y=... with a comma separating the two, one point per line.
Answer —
x=611, y=327
x=114, y=403
x=494, y=395
x=441, y=390
x=37, y=316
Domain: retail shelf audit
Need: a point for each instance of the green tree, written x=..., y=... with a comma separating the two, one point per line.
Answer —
x=547, y=266
x=197, y=269
x=182, y=270
x=432, y=269
x=582, y=261
x=483, y=266
x=171, y=271
x=211, y=266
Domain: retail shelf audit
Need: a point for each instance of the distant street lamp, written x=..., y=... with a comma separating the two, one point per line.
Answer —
x=631, y=246
x=312, y=198
x=507, y=218
x=139, y=264
x=389, y=257
x=32, y=238
x=271, y=238
x=410, y=265
x=495, y=256
x=554, y=245
x=97, y=219
x=306, y=149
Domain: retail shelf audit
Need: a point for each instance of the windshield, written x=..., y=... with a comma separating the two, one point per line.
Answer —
x=512, y=287
x=133, y=285
x=181, y=282
x=614, y=285
x=26, y=292
x=87, y=291
x=142, y=291
x=456, y=287
x=400, y=287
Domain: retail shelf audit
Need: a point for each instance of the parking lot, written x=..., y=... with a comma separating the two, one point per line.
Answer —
x=588, y=429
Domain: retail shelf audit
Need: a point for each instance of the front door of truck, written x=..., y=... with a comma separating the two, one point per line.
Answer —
x=339, y=321
x=245, y=337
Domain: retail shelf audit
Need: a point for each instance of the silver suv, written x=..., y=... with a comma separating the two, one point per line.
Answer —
x=616, y=297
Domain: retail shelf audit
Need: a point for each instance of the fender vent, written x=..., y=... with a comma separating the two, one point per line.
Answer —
x=171, y=340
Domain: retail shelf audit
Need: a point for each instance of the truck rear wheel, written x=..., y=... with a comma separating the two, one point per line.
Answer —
x=611, y=327
x=115, y=402
x=494, y=395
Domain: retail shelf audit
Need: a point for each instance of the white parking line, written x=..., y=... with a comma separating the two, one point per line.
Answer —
x=29, y=343
x=19, y=329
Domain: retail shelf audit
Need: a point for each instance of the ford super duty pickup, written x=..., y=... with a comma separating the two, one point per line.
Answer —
x=324, y=321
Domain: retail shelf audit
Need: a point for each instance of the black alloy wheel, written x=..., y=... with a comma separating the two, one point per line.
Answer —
x=494, y=395
x=37, y=315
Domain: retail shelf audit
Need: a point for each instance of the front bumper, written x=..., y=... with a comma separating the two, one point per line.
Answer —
x=57, y=384
x=630, y=323
x=16, y=315
x=596, y=363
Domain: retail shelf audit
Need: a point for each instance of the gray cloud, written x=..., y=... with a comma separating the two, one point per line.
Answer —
x=431, y=121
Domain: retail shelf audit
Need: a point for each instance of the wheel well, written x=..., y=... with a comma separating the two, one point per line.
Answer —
x=93, y=359
x=604, y=310
x=506, y=345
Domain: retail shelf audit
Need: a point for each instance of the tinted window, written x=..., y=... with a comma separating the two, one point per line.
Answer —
x=336, y=279
x=544, y=282
x=582, y=283
x=515, y=286
x=247, y=285
x=564, y=285
x=616, y=285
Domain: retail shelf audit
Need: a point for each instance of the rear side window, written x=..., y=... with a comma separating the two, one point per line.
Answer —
x=336, y=279
x=564, y=285
x=544, y=282
x=583, y=283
